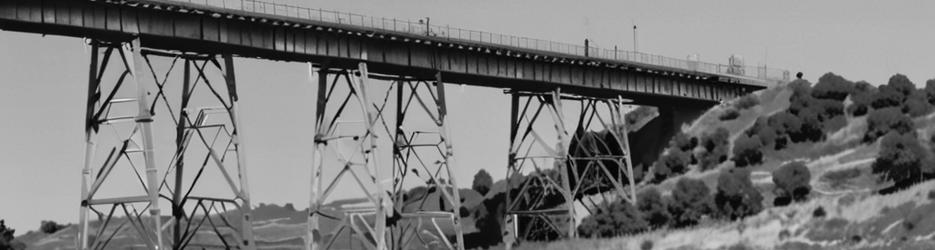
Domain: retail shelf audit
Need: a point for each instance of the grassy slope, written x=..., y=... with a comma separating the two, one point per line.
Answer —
x=852, y=207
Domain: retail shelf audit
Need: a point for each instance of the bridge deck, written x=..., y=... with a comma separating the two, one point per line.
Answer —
x=392, y=47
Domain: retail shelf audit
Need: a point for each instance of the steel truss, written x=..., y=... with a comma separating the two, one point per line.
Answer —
x=571, y=166
x=388, y=220
x=207, y=129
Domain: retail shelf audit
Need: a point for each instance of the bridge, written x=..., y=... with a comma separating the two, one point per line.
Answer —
x=136, y=46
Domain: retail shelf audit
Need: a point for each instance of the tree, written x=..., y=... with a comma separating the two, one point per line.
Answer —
x=792, y=182
x=894, y=93
x=675, y=162
x=882, y=121
x=653, y=207
x=831, y=86
x=6, y=236
x=488, y=219
x=50, y=227
x=715, y=148
x=930, y=91
x=901, y=160
x=482, y=182
x=747, y=150
x=861, y=99
x=916, y=104
x=691, y=199
x=736, y=196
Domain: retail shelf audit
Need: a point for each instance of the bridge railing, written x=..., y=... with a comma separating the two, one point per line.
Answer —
x=759, y=73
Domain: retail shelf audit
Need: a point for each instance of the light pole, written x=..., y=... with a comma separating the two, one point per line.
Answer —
x=634, y=38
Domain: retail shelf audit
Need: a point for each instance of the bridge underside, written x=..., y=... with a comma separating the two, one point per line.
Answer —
x=347, y=58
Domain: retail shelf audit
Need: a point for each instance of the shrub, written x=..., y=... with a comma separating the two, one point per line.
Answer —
x=50, y=227
x=882, y=121
x=894, y=93
x=682, y=142
x=736, y=196
x=489, y=220
x=653, y=207
x=746, y=102
x=6, y=236
x=482, y=182
x=673, y=163
x=819, y=212
x=691, y=199
x=715, y=148
x=916, y=104
x=747, y=151
x=831, y=86
x=930, y=91
x=900, y=160
x=792, y=181
x=646, y=245
x=619, y=218
x=729, y=114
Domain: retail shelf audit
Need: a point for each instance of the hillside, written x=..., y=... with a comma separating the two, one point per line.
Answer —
x=849, y=206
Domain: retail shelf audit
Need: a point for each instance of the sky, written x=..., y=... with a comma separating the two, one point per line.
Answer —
x=43, y=80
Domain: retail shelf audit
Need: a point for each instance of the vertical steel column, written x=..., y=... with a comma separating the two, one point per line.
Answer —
x=369, y=147
x=561, y=156
x=237, y=137
x=449, y=158
x=313, y=234
x=328, y=121
x=89, y=131
x=136, y=64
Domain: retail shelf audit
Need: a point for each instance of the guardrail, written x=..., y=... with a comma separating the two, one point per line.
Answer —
x=760, y=73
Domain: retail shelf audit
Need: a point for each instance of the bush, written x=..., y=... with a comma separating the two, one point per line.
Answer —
x=482, y=182
x=653, y=207
x=819, y=212
x=691, y=199
x=619, y=218
x=916, y=104
x=894, y=93
x=831, y=86
x=746, y=102
x=6, y=236
x=736, y=196
x=715, y=148
x=747, y=151
x=673, y=163
x=792, y=181
x=646, y=245
x=50, y=227
x=900, y=160
x=930, y=91
x=861, y=99
x=882, y=121
x=682, y=142
x=729, y=114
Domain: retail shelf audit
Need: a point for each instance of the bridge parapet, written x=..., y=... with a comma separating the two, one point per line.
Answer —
x=761, y=75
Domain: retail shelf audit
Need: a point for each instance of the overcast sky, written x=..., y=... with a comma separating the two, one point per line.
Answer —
x=43, y=79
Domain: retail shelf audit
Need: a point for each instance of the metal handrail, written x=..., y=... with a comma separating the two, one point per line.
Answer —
x=760, y=73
